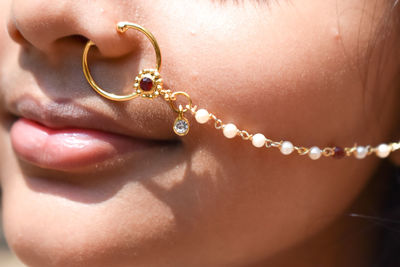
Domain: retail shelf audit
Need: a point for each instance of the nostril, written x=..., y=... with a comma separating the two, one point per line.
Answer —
x=18, y=37
x=77, y=39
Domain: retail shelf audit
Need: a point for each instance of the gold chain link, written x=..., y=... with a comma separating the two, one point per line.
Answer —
x=328, y=151
x=245, y=135
x=170, y=97
x=302, y=150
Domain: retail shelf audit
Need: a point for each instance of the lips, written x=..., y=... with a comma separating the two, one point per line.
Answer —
x=68, y=137
x=68, y=149
x=149, y=120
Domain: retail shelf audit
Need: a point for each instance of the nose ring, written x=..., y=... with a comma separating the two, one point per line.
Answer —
x=148, y=83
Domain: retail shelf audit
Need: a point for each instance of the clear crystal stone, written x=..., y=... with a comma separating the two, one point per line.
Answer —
x=181, y=126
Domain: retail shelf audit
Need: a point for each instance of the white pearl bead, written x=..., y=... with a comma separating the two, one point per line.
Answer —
x=315, y=153
x=287, y=148
x=361, y=152
x=230, y=130
x=383, y=150
x=258, y=140
x=202, y=116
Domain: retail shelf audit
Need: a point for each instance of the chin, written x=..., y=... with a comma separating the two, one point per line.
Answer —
x=49, y=231
x=53, y=246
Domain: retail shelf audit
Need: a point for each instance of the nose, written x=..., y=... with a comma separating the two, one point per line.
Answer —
x=45, y=24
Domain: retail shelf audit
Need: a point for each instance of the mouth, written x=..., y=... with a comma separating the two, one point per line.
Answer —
x=69, y=138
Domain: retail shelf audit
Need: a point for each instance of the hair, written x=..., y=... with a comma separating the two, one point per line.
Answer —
x=388, y=221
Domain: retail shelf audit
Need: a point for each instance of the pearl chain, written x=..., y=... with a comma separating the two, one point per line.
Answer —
x=148, y=84
x=258, y=140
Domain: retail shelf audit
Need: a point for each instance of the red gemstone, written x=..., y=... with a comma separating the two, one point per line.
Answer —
x=146, y=84
x=339, y=153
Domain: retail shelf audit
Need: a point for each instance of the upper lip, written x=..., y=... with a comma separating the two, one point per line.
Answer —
x=68, y=114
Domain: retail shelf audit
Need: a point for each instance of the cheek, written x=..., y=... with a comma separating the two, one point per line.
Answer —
x=290, y=83
x=290, y=78
x=254, y=202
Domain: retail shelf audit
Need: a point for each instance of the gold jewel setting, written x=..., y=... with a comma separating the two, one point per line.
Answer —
x=151, y=79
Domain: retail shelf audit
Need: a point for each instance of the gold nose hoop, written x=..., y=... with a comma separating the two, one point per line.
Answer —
x=148, y=83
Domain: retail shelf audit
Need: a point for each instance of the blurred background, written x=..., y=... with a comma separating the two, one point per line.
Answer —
x=7, y=259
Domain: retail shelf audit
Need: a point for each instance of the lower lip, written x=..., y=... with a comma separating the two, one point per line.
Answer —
x=68, y=149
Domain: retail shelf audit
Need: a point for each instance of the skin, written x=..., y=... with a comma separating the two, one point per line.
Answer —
x=303, y=71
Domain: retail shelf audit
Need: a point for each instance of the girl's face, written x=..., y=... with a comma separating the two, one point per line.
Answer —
x=313, y=72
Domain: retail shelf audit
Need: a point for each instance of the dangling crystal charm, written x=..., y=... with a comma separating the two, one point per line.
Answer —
x=181, y=125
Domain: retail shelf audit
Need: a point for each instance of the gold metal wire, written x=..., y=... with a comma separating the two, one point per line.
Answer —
x=172, y=100
x=121, y=27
